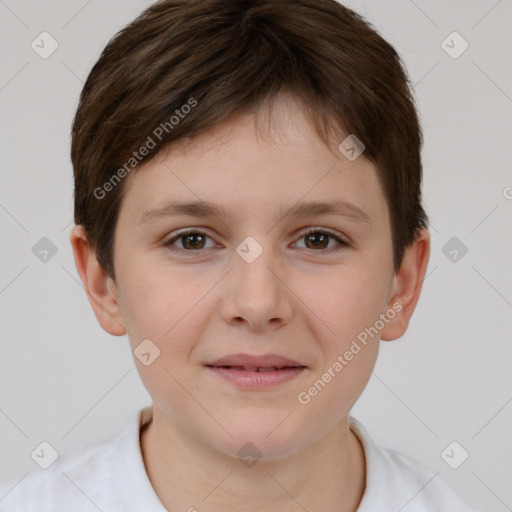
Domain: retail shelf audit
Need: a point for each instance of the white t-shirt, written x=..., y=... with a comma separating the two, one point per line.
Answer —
x=111, y=477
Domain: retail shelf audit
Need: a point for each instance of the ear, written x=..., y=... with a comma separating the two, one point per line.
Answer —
x=100, y=288
x=406, y=286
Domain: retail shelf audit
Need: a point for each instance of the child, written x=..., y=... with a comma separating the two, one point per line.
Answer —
x=281, y=139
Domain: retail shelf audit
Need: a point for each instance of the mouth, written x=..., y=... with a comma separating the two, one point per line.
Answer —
x=256, y=372
x=260, y=369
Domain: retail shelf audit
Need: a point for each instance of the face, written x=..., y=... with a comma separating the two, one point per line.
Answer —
x=251, y=279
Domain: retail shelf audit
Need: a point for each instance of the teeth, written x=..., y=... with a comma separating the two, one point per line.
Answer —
x=256, y=368
x=253, y=368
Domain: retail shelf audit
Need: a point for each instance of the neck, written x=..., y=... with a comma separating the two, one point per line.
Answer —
x=187, y=474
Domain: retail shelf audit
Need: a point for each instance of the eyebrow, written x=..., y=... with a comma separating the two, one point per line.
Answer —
x=206, y=209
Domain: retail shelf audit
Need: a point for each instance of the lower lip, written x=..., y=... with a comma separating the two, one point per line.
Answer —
x=257, y=380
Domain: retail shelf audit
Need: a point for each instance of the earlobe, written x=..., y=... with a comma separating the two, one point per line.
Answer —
x=407, y=285
x=101, y=293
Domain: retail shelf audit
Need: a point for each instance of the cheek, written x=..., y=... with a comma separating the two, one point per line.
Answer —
x=343, y=303
x=150, y=304
x=160, y=308
x=165, y=306
x=350, y=304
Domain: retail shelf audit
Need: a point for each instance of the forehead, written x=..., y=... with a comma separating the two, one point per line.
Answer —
x=242, y=164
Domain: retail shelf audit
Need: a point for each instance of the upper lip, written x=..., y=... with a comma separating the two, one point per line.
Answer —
x=263, y=361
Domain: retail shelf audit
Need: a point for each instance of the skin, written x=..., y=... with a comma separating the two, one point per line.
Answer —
x=301, y=300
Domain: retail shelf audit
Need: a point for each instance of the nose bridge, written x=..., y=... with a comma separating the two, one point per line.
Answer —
x=257, y=293
x=254, y=261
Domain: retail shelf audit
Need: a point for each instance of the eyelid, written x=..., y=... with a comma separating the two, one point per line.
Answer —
x=169, y=242
x=335, y=234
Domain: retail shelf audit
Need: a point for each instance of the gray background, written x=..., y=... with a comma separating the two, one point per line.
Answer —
x=65, y=381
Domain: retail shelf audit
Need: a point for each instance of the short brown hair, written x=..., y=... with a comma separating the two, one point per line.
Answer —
x=230, y=56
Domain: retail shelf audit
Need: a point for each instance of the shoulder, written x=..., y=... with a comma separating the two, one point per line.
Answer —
x=107, y=476
x=401, y=482
x=77, y=481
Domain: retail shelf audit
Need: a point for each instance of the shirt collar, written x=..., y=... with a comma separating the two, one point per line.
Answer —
x=132, y=481
x=379, y=474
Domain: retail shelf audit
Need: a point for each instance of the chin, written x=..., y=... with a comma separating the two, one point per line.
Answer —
x=267, y=435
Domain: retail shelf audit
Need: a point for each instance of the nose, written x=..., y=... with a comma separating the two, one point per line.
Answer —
x=256, y=295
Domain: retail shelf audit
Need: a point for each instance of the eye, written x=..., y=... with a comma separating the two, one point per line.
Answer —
x=317, y=238
x=192, y=240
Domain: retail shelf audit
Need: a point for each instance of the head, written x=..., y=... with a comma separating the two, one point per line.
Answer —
x=243, y=106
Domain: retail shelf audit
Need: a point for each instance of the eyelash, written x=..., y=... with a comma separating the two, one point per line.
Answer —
x=342, y=242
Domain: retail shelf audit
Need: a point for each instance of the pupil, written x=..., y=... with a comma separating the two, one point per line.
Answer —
x=194, y=237
x=316, y=237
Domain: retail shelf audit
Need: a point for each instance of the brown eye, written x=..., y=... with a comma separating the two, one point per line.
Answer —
x=193, y=241
x=319, y=239
x=189, y=240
